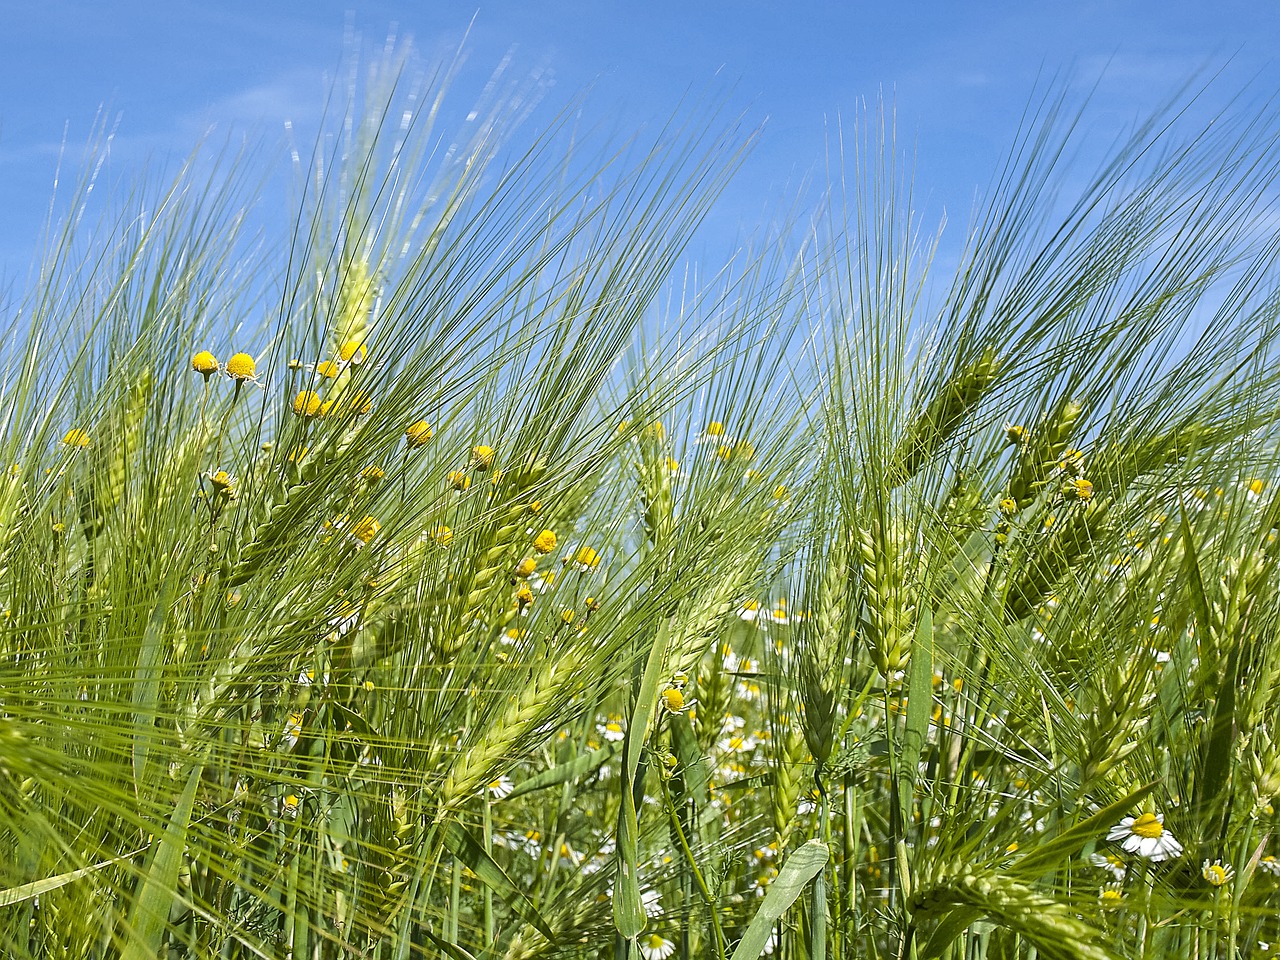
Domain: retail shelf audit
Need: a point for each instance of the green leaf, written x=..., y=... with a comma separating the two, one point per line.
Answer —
x=954, y=923
x=146, y=685
x=919, y=707
x=693, y=765
x=150, y=915
x=801, y=867
x=28, y=890
x=575, y=768
x=467, y=849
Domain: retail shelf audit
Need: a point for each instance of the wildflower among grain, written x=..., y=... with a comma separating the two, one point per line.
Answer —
x=1146, y=836
x=1111, y=897
x=586, y=559
x=328, y=369
x=353, y=353
x=373, y=474
x=524, y=596
x=418, y=433
x=481, y=457
x=654, y=946
x=1270, y=865
x=672, y=699
x=206, y=364
x=442, y=535
x=501, y=787
x=361, y=404
x=1014, y=434
x=544, y=542
x=365, y=530
x=222, y=482
x=76, y=438
x=307, y=404
x=459, y=480
x=1217, y=874
x=1078, y=489
x=525, y=568
x=241, y=367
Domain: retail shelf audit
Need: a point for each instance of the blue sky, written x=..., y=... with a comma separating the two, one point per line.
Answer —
x=958, y=72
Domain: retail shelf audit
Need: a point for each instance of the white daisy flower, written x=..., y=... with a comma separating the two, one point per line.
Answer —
x=611, y=729
x=1270, y=864
x=501, y=787
x=1147, y=837
x=1113, y=863
x=1217, y=874
x=651, y=901
x=654, y=946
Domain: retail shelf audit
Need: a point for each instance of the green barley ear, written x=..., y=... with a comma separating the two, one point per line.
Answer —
x=822, y=643
x=889, y=615
x=788, y=764
x=357, y=297
x=957, y=895
x=112, y=457
x=1040, y=454
x=942, y=417
x=1122, y=699
x=1054, y=558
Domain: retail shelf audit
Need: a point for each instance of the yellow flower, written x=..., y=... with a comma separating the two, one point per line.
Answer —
x=306, y=404
x=361, y=404
x=205, y=363
x=1217, y=874
x=525, y=568
x=373, y=474
x=366, y=529
x=524, y=596
x=535, y=507
x=1008, y=506
x=418, y=433
x=76, y=438
x=1015, y=434
x=715, y=429
x=586, y=558
x=1079, y=489
x=328, y=368
x=673, y=700
x=297, y=453
x=566, y=616
x=353, y=353
x=459, y=480
x=221, y=480
x=442, y=535
x=545, y=542
x=326, y=407
x=482, y=457
x=241, y=367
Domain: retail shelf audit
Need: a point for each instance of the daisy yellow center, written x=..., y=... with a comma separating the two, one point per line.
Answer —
x=545, y=542
x=672, y=699
x=482, y=457
x=204, y=362
x=715, y=429
x=459, y=480
x=366, y=529
x=1147, y=826
x=328, y=369
x=654, y=941
x=587, y=557
x=1216, y=874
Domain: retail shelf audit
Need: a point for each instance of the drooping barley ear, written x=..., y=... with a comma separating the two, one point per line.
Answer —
x=1048, y=924
x=554, y=682
x=788, y=775
x=1039, y=455
x=942, y=417
x=1054, y=557
x=1263, y=767
x=889, y=615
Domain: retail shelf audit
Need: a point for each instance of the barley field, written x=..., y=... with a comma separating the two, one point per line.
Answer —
x=472, y=573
